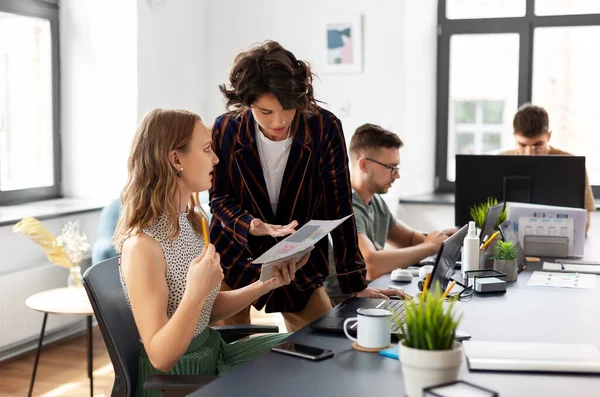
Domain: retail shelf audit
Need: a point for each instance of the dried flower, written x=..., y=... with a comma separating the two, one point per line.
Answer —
x=67, y=250
x=73, y=242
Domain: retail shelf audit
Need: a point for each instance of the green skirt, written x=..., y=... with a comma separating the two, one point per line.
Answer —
x=208, y=354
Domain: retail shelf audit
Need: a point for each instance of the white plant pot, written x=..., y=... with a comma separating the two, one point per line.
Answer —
x=425, y=368
x=507, y=267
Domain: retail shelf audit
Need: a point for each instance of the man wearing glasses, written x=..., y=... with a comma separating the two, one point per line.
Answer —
x=532, y=134
x=375, y=159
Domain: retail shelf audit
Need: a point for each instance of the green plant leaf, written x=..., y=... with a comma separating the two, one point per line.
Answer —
x=429, y=325
x=505, y=250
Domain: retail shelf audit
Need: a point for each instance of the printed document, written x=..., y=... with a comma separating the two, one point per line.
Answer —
x=304, y=238
x=562, y=280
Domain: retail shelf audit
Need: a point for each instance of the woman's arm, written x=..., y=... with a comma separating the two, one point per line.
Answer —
x=143, y=268
x=225, y=207
x=229, y=303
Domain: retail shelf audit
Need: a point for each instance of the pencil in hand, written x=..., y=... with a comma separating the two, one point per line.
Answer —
x=205, y=232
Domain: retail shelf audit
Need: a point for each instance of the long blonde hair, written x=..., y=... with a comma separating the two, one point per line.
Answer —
x=151, y=187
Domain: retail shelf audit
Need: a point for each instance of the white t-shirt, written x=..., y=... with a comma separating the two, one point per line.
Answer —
x=273, y=158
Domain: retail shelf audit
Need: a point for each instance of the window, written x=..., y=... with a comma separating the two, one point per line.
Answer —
x=495, y=55
x=29, y=155
x=476, y=128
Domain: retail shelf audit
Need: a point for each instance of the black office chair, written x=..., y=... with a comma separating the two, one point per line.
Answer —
x=122, y=340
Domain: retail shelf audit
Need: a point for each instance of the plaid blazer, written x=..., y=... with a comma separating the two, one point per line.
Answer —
x=316, y=185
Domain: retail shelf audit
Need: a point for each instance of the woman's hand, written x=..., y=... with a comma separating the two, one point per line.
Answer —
x=204, y=274
x=287, y=273
x=260, y=228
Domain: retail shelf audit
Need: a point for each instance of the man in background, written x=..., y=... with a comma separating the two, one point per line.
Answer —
x=532, y=134
x=375, y=162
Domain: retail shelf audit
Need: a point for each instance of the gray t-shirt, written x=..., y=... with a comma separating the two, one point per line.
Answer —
x=373, y=220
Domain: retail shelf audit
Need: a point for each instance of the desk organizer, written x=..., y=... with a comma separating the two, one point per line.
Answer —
x=546, y=246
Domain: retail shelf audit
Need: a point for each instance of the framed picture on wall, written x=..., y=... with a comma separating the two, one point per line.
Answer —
x=343, y=44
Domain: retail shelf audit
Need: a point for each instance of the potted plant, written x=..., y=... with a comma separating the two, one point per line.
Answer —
x=479, y=212
x=427, y=349
x=505, y=260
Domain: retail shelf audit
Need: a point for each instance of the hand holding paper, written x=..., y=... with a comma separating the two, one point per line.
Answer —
x=295, y=245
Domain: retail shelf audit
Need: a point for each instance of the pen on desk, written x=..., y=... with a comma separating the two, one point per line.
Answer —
x=205, y=232
x=445, y=294
x=493, y=236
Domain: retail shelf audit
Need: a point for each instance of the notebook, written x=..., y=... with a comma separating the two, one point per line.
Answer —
x=392, y=352
x=532, y=357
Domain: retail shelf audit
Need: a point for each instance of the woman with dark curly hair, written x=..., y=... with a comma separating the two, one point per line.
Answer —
x=283, y=161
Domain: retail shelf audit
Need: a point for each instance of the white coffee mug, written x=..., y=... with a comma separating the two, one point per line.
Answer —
x=372, y=328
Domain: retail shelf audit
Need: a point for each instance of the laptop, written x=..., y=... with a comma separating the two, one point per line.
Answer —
x=491, y=221
x=444, y=269
x=333, y=321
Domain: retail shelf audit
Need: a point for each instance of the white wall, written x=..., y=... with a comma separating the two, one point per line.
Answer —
x=419, y=90
x=396, y=88
x=98, y=60
x=172, y=57
x=175, y=54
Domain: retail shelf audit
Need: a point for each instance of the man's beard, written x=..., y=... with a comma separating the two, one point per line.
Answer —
x=379, y=189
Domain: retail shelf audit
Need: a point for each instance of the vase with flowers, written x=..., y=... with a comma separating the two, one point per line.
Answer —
x=66, y=250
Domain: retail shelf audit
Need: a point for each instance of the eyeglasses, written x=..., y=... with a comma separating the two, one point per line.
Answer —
x=394, y=170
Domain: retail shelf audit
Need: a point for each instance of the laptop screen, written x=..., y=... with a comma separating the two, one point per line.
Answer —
x=491, y=221
x=446, y=259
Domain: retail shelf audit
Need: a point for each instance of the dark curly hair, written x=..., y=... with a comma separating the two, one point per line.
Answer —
x=530, y=121
x=268, y=68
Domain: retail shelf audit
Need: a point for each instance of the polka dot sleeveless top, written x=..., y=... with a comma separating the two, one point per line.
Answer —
x=179, y=253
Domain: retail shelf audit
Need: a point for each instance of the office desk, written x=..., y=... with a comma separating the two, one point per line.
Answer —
x=536, y=314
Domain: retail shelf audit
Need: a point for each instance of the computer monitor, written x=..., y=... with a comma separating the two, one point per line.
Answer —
x=446, y=259
x=549, y=179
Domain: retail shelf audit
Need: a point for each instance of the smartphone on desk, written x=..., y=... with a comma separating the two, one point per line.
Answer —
x=302, y=351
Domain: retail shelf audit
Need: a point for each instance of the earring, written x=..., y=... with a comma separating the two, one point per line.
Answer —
x=179, y=173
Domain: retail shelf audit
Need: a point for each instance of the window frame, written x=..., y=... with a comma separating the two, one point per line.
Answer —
x=524, y=26
x=46, y=9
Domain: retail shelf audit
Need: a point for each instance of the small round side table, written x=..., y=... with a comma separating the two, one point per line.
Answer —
x=73, y=300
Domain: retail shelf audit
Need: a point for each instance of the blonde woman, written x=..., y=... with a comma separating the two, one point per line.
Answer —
x=170, y=278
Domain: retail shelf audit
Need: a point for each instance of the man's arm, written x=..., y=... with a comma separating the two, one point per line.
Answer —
x=401, y=235
x=384, y=261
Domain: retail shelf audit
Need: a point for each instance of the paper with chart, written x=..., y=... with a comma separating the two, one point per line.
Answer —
x=562, y=280
x=304, y=238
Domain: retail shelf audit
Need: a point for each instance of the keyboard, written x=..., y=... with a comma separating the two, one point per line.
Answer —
x=398, y=312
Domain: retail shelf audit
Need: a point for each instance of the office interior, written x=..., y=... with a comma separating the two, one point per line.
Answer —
x=76, y=77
